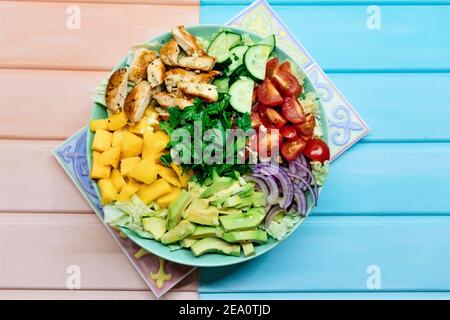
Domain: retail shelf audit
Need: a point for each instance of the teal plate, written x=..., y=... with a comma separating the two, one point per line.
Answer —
x=184, y=256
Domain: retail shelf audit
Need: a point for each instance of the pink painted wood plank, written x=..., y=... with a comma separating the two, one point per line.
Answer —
x=36, y=250
x=45, y=104
x=35, y=34
x=92, y=295
x=32, y=180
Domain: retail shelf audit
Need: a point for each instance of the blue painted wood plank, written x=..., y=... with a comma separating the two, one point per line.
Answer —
x=326, y=2
x=410, y=38
x=372, y=295
x=329, y=254
x=389, y=178
x=400, y=106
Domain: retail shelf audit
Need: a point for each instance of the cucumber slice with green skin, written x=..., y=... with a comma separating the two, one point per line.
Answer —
x=222, y=84
x=270, y=40
x=255, y=60
x=221, y=44
x=241, y=94
x=237, y=58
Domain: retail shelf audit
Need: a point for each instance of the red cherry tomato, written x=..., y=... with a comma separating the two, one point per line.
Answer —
x=292, y=148
x=286, y=83
x=286, y=67
x=255, y=97
x=293, y=111
x=268, y=94
x=271, y=65
x=256, y=122
x=270, y=118
x=306, y=128
x=316, y=149
x=288, y=132
x=265, y=140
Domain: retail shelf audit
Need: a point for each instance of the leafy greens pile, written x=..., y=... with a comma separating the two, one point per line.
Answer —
x=219, y=116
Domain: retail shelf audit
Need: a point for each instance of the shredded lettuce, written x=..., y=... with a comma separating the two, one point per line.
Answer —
x=320, y=171
x=129, y=215
x=282, y=224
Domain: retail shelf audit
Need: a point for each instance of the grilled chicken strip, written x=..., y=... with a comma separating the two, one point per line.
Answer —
x=207, y=92
x=173, y=99
x=176, y=75
x=204, y=63
x=138, y=66
x=169, y=53
x=137, y=101
x=156, y=73
x=116, y=90
x=188, y=42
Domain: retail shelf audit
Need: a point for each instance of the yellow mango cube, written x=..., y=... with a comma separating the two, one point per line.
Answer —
x=159, y=188
x=102, y=140
x=110, y=157
x=96, y=124
x=128, y=164
x=156, y=142
x=117, y=137
x=145, y=171
x=117, y=121
x=107, y=191
x=131, y=145
x=141, y=127
x=128, y=190
x=117, y=179
x=165, y=201
x=168, y=174
x=183, y=176
x=99, y=171
x=150, y=111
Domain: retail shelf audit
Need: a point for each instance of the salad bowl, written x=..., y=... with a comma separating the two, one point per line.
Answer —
x=185, y=256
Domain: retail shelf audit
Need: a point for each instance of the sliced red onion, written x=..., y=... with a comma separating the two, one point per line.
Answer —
x=284, y=181
x=271, y=214
x=261, y=184
x=300, y=199
x=310, y=178
x=273, y=191
x=313, y=191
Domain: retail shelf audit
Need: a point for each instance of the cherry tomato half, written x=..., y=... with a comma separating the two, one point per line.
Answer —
x=256, y=122
x=288, y=132
x=271, y=65
x=268, y=94
x=286, y=83
x=306, y=128
x=293, y=111
x=267, y=140
x=292, y=148
x=286, y=67
x=270, y=118
x=317, y=150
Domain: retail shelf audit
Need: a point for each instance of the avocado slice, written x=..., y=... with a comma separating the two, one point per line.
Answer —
x=259, y=236
x=180, y=231
x=229, y=211
x=176, y=209
x=248, y=249
x=209, y=217
x=251, y=219
x=247, y=190
x=215, y=245
x=219, y=184
x=206, y=232
x=156, y=226
x=187, y=242
x=231, y=202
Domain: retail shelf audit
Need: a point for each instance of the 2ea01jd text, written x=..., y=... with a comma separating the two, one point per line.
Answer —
x=226, y=309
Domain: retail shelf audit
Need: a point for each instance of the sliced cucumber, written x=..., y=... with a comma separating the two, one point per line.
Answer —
x=270, y=40
x=241, y=94
x=221, y=44
x=255, y=60
x=222, y=84
x=237, y=58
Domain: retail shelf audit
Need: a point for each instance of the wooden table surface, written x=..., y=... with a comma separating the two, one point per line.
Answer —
x=47, y=72
x=387, y=201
